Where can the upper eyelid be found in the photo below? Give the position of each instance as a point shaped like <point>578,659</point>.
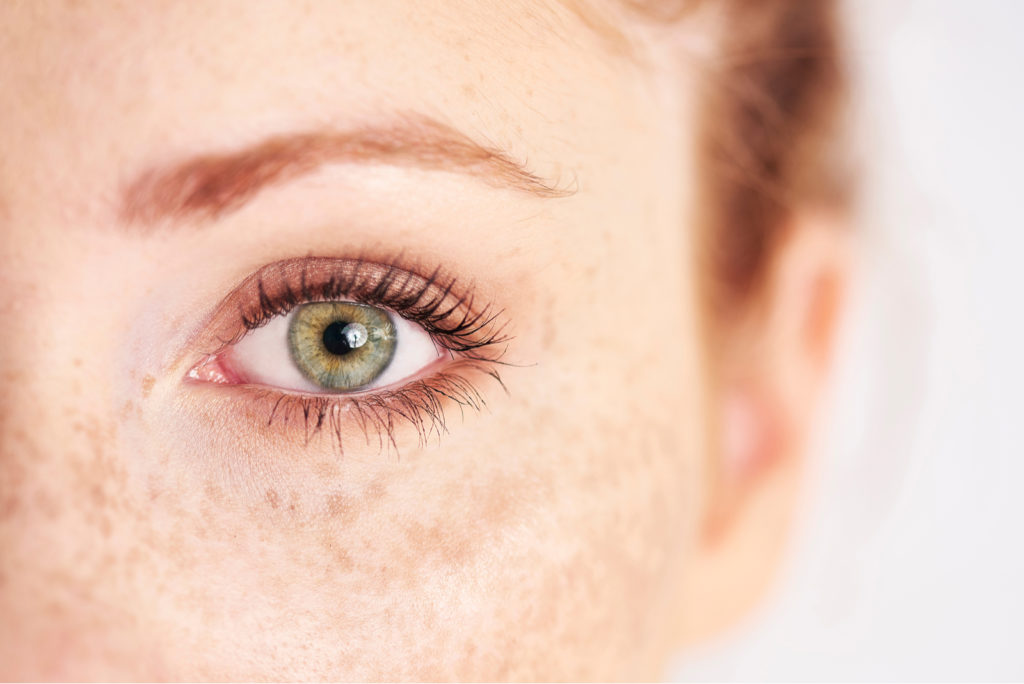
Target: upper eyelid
<point>410,295</point>
<point>435,300</point>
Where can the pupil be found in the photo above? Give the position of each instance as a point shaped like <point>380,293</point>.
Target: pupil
<point>335,340</point>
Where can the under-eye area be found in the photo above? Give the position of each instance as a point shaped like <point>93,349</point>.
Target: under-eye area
<point>321,345</point>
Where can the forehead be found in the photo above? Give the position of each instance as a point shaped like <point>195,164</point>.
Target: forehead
<point>358,55</point>
<point>141,78</point>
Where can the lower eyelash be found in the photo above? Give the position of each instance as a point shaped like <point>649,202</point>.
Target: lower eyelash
<point>474,335</point>
<point>421,403</point>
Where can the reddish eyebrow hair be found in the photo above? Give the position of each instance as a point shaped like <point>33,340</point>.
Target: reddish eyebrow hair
<point>208,186</point>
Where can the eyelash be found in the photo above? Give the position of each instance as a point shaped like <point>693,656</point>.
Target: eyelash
<point>420,403</point>
<point>430,303</point>
<point>475,337</point>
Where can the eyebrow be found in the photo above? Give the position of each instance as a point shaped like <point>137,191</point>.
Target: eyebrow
<point>211,185</point>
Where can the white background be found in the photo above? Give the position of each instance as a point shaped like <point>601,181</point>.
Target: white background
<point>909,562</point>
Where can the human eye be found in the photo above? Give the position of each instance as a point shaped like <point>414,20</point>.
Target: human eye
<point>320,341</point>
<point>332,346</point>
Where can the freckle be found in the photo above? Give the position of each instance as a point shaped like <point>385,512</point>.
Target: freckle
<point>8,506</point>
<point>126,410</point>
<point>339,507</point>
<point>343,560</point>
<point>99,497</point>
<point>152,488</point>
<point>383,581</point>
<point>147,385</point>
<point>498,507</point>
<point>272,498</point>
<point>47,505</point>
<point>213,492</point>
<point>175,543</point>
<point>135,556</point>
<point>326,469</point>
<point>454,490</point>
<point>375,490</point>
<point>12,478</point>
<point>77,363</point>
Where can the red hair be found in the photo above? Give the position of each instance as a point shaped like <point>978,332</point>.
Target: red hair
<point>769,121</point>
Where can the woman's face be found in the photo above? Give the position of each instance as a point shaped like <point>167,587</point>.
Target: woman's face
<point>154,157</point>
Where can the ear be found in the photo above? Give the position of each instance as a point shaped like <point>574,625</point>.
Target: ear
<point>763,403</point>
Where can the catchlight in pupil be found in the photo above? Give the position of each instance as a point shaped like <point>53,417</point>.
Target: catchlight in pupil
<point>341,337</point>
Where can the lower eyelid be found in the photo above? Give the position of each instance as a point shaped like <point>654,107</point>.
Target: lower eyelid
<point>375,421</point>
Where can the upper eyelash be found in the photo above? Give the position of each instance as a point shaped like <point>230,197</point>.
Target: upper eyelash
<point>450,318</point>
<point>447,311</point>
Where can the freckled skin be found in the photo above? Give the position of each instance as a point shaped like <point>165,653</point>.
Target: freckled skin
<point>146,533</point>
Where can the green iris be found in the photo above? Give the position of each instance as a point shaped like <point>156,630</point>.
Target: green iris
<point>341,345</point>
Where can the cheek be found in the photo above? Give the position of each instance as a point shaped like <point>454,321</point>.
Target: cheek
<point>69,528</point>
<point>546,536</point>
<point>539,541</point>
<point>540,538</point>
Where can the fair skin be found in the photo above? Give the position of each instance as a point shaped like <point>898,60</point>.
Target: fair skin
<point>615,504</point>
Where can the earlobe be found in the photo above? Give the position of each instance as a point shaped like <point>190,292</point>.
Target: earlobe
<point>750,440</point>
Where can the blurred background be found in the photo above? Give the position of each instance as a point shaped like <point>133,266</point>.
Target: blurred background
<point>908,563</point>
